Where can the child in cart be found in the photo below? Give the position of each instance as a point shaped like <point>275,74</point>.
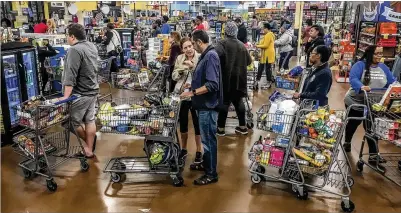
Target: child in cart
<point>366,74</point>
<point>318,82</point>
<point>182,73</point>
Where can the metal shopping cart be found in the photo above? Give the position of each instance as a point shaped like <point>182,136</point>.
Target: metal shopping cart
<point>104,77</point>
<point>154,118</point>
<point>144,80</point>
<point>45,150</point>
<point>281,155</point>
<point>382,124</point>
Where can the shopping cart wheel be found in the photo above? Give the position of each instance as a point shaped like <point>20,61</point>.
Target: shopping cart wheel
<point>84,165</point>
<point>349,208</point>
<point>118,177</point>
<point>250,125</point>
<point>304,195</point>
<point>359,166</point>
<point>51,185</point>
<point>178,181</point>
<point>256,179</point>
<point>28,174</point>
<point>350,181</point>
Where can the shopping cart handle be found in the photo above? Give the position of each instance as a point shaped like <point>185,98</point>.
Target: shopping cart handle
<point>71,98</point>
<point>378,89</point>
<point>356,107</point>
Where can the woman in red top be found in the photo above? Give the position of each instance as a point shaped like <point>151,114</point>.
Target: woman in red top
<point>41,27</point>
<point>198,22</point>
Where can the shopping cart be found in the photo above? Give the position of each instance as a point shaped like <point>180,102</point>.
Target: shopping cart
<point>45,150</point>
<point>382,123</point>
<point>289,82</point>
<point>154,118</point>
<point>144,80</point>
<point>104,77</point>
<point>281,155</point>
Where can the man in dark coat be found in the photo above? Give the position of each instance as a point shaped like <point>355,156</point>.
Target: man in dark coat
<point>234,59</point>
<point>242,33</point>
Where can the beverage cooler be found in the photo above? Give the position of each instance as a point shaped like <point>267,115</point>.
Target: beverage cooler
<point>127,39</point>
<point>19,82</point>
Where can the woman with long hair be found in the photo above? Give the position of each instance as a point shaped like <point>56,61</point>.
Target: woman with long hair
<point>175,50</point>
<point>367,74</point>
<point>182,73</point>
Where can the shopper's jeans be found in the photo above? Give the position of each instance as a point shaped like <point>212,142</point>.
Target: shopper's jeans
<point>208,130</point>
<point>268,69</point>
<point>284,60</point>
<point>239,106</point>
<point>254,35</point>
<point>352,126</point>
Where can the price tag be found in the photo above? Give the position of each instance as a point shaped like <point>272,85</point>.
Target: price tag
<point>385,36</point>
<point>382,60</point>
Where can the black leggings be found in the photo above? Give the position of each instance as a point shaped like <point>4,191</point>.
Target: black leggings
<point>352,126</point>
<point>268,69</point>
<point>239,105</point>
<point>186,106</point>
<point>114,66</point>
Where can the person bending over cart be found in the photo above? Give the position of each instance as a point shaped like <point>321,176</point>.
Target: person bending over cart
<point>366,74</point>
<point>318,82</point>
<point>234,58</point>
<point>80,79</point>
<point>183,69</point>
<point>207,96</point>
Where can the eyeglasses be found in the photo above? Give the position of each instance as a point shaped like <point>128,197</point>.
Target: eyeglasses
<point>378,54</point>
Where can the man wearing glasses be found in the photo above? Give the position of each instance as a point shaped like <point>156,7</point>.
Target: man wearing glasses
<point>80,78</point>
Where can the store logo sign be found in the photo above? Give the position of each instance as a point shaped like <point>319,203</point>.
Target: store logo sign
<point>369,15</point>
<point>391,15</point>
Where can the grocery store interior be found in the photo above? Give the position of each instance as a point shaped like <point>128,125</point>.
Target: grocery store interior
<point>119,106</point>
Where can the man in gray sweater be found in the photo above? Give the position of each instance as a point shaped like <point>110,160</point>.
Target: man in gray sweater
<point>80,79</point>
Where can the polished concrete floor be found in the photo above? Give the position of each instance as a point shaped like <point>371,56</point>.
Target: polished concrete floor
<point>93,192</point>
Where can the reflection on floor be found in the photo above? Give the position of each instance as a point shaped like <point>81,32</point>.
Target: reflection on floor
<point>93,192</point>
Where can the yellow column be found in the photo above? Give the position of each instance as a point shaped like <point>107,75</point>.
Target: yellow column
<point>298,25</point>
<point>46,9</point>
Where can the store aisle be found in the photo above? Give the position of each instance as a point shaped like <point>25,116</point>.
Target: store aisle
<point>93,192</point>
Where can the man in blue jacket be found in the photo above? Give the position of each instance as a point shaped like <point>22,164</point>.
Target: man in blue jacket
<point>318,82</point>
<point>166,29</point>
<point>207,97</point>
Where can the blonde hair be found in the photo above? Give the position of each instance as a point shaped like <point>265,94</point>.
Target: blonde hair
<point>52,24</point>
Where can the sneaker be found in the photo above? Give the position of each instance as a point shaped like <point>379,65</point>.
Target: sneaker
<point>205,180</point>
<point>198,158</point>
<point>221,133</point>
<point>373,159</point>
<point>183,154</point>
<point>241,131</point>
<point>347,147</point>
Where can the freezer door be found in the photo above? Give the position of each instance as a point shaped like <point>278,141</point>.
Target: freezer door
<point>12,85</point>
<point>31,73</point>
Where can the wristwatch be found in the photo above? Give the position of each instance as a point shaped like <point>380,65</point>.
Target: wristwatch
<point>194,92</point>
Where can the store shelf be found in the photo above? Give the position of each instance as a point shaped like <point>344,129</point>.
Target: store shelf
<point>12,89</point>
<point>10,75</point>
<point>365,42</point>
<point>398,35</point>
<point>389,59</point>
<point>368,34</point>
<point>361,50</point>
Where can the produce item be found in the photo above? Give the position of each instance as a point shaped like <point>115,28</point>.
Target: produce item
<point>307,157</point>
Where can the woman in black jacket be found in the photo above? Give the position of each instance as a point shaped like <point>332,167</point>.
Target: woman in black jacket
<point>316,34</point>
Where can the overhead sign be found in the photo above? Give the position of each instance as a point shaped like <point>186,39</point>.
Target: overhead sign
<point>370,11</point>
<point>390,11</point>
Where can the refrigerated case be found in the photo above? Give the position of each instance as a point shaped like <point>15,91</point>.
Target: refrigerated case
<point>127,38</point>
<point>19,82</point>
